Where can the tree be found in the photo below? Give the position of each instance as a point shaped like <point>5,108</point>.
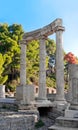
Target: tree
<point>70,58</point>
<point>33,62</point>
<point>32,58</point>
<point>9,47</point>
<point>50,47</point>
<point>3,78</point>
<point>51,52</point>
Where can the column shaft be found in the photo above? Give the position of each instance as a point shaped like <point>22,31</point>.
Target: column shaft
<point>42,71</point>
<point>23,65</point>
<point>59,67</point>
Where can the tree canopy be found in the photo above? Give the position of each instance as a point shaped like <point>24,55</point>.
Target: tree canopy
<point>70,58</point>
<point>10,49</point>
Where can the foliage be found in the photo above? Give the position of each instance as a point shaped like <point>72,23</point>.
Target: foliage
<point>51,52</point>
<point>50,47</point>
<point>10,50</point>
<point>3,78</point>
<point>50,82</point>
<point>70,58</point>
<point>9,47</point>
<point>39,124</point>
<point>32,59</point>
<point>12,85</point>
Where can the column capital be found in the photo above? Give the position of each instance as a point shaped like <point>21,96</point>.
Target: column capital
<point>59,28</point>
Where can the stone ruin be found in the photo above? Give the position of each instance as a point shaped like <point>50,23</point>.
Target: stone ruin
<point>25,93</point>
<point>69,121</point>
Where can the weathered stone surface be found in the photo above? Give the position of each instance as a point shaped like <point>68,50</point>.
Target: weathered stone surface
<point>23,65</point>
<point>71,113</point>
<point>2,91</point>
<point>19,92</point>
<point>59,68</point>
<point>16,121</point>
<point>65,123</point>
<point>29,94</point>
<point>25,94</point>
<point>73,86</point>
<point>60,128</point>
<point>42,73</point>
<point>45,31</point>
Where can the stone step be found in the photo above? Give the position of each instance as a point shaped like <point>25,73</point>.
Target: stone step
<point>67,122</point>
<point>54,127</point>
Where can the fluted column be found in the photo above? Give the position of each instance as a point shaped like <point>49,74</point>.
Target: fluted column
<point>59,67</point>
<point>23,65</point>
<point>42,71</point>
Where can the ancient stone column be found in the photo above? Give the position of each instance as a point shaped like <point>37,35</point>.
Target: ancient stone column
<point>21,89</point>
<point>73,86</point>
<point>42,71</point>
<point>23,65</point>
<point>59,67</point>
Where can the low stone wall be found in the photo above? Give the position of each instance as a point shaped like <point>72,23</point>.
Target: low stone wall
<point>16,121</point>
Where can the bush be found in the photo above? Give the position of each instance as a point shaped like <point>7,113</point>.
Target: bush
<point>39,124</point>
<point>12,86</point>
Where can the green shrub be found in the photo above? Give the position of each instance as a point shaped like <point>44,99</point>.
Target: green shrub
<point>39,124</point>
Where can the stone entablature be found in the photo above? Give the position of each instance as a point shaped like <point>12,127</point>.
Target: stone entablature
<point>45,31</point>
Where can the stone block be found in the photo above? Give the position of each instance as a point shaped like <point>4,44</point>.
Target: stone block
<point>19,93</point>
<point>2,91</point>
<point>29,96</point>
<point>71,113</point>
<point>25,94</point>
<point>16,121</point>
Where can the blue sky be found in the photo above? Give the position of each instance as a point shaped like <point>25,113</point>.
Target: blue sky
<point>33,14</point>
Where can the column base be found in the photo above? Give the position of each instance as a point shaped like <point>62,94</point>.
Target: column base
<point>42,103</point>
<point>60,104</point>
<point>25,94</point>
<point>73,106</point>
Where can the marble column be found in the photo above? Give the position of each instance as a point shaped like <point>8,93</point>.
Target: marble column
<point>42,71</point>
<point>59,68</point>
